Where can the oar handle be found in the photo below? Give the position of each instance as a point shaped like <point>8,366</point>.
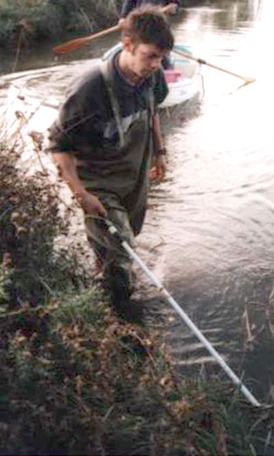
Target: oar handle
<point>204,62</point>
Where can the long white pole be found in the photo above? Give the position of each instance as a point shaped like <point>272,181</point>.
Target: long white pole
<point>185,317</point>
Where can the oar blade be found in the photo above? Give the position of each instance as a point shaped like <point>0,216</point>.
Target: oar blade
<point>72,45</point>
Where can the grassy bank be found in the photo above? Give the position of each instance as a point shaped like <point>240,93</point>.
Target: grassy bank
<point>76,380</point>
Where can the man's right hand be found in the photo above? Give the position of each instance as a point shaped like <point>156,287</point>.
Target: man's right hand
<point>66,163</point>
<point>91,204</point>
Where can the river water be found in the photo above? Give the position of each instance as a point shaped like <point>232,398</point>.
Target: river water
<point>218,214</point>
<point>214,214</point>
<point>210,226</point>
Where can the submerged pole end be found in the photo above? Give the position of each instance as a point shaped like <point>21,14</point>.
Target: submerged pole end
<point>249,396</point>
<point>249,80</point>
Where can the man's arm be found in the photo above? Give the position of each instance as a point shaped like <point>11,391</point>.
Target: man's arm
<point>66,164</point>
<point>159,167</point>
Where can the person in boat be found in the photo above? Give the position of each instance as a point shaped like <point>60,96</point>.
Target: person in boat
<point>166,6</point>
<point>107,139</point>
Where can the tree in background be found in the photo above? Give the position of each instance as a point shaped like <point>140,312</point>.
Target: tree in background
<point>28,22</point>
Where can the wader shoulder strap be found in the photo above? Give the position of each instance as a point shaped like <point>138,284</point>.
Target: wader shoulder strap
<point>152,98</point>
<point>152,113</point>
<point>105,70</point>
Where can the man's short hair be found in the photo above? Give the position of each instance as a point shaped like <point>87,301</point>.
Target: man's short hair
<point>149,26</point>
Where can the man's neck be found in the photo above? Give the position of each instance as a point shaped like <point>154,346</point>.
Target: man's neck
<point>126,71</point>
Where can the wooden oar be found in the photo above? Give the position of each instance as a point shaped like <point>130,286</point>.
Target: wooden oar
<point>247,80</point>
<point>72,45</point>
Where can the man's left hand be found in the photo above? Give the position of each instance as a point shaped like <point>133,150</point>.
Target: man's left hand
<point>159,167</point>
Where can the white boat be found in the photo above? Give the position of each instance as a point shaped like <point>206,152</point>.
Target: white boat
<point>184,80</point>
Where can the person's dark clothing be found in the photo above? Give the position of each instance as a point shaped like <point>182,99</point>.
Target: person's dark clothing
<point>129,5</point>
<point>105,124</point>
<point>87,127</point>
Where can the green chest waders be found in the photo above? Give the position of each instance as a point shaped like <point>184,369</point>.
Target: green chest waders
<point>122,188</point>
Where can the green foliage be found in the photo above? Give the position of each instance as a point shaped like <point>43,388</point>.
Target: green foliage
<point>5,284</point>
<point>29,22</point>
<point>28,227</point>
<point>100,387</point>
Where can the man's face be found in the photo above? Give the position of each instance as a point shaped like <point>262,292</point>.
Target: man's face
<point>144,59</point>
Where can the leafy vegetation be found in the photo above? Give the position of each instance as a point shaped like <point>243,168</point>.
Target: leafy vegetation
<point>28,22</point>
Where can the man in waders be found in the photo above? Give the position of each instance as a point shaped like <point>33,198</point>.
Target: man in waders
<point>105,139</point>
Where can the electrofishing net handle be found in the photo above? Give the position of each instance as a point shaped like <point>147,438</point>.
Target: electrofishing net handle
<point>112,229</point>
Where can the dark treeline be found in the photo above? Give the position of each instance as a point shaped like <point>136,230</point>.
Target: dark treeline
<point>30,22</point>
